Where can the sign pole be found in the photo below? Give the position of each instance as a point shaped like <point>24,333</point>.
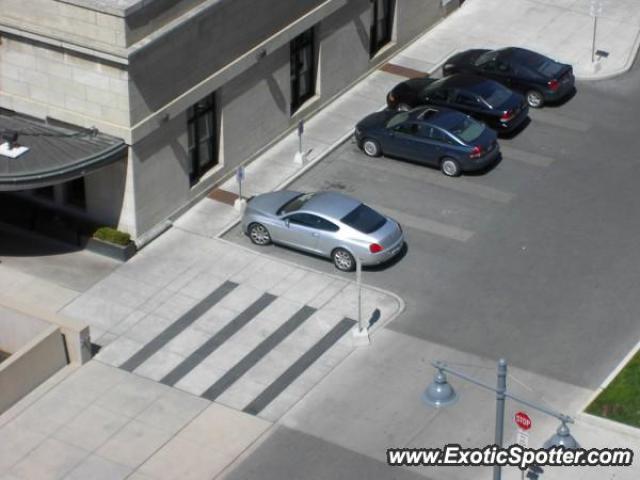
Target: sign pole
<point>593,43</point>
<point>299,158</point>
<point>360,331</point>
<point>359,283</point>
<point>240,203</point>
<point>500,400</point>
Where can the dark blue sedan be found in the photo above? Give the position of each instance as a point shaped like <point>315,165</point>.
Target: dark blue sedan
<point>438,137</point>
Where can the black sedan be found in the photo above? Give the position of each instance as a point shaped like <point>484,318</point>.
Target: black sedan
<point>439,137</point>
<point>484,99</point>
<point>539,78</point>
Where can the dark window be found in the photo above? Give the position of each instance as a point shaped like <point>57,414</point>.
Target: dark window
<point>45,192</point>
<point>203,145</point>
<point>468,130</point>
<point>381,24</point>
<point>303,81</point>
<point>408,128</point>
<point>296,203</point>
<point>436,134</point>
<point>75,193</point>
<point>487,60</point>
<point>312,221</point>
<point>493,93</point>
<point>364,219</point>
<point>440,94</point>
<point>397,119</point>
<point>466,99</point>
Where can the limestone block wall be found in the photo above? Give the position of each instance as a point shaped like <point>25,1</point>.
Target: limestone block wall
<point>64,21</point>
<point>41,80</point>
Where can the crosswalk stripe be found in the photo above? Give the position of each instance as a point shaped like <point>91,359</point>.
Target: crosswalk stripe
<point>218,339</point>
<point>177,327</point>
<point>427,175</point>
<point>529,158</point>
<point>299,367</point>
<point>560,121</point>
<point>259,352</point>
<point>425,225</point>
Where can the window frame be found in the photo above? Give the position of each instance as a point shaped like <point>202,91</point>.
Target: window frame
<point>205,107</point>
<point>306,40</point>
<point>379,37</point>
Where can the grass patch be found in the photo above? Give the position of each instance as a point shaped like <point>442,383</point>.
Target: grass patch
<point>111,235</point>
<point>620,401</point>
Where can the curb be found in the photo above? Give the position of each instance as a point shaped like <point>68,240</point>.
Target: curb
<point>401,305</point>
<point>288,181</point>
<point>611,425</point>
<point>612,375</point>
<point>627,66</point>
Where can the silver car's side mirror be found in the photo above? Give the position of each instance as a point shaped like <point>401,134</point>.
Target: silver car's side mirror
<point>286,222</point>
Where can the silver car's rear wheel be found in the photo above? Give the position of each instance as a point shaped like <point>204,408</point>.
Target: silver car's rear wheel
<point>343,260</point>
<point>259,234</point>
<point>371,148</point>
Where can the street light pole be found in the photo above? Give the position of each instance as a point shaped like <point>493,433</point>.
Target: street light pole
<point>501,391</point>
<point>440,394</point>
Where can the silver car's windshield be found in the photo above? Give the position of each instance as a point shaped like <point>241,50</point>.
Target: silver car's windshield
<point>364,219</point>
<point>295,203</point>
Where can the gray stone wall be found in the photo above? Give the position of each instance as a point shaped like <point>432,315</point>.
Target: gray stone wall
<point>344,55</point>
<point>105,195</point>
<point>63,21</point>
<point>414,15</point>
<point>41,81</point>
<point>255,107</point>
<point>160,178</point>
<point>191,53</point>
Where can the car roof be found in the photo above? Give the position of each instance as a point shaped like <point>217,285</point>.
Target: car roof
<point>440,117</point>
<point>462,80</point>
<point>331,204</point>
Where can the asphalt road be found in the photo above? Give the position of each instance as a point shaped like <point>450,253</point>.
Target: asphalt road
<point>534,260</point>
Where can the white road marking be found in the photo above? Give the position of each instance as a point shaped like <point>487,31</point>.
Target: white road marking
<point>434,177</point>
<point>560,121</point>
<point>425,225</point>
<point>529,158</point>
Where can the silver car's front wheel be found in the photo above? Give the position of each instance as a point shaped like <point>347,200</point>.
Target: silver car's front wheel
<point>259,234</point>
<point>343,260</point>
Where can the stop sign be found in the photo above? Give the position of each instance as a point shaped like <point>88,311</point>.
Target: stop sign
<point>523,421</point>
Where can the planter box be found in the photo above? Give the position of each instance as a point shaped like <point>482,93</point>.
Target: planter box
<point>111,250</point>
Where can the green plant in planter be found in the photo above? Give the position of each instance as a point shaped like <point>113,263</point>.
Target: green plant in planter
<point>111,235</point>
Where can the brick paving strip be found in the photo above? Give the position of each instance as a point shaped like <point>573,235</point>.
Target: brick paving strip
<point>403,71</point>
<point>223,196</point>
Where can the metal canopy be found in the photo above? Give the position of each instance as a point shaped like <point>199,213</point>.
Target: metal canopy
<point>57,152</point>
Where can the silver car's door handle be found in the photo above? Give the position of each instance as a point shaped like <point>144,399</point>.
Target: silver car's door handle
<point>315,234</point>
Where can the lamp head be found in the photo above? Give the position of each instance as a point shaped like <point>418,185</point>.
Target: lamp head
<point>439,393</point>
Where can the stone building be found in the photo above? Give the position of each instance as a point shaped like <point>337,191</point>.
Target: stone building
<point>180,91</point>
